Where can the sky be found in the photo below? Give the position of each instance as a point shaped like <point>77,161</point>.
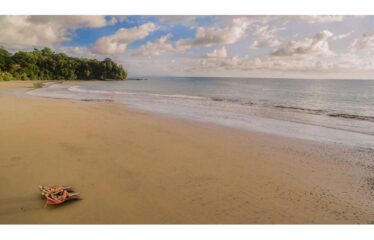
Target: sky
<point>338,47</point>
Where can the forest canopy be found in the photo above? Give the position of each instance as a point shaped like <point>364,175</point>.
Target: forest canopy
<point>47,65</point>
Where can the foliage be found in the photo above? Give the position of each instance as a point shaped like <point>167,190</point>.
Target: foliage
<point>5,76</point>
<point>37,85</point>
<point>47,65</point>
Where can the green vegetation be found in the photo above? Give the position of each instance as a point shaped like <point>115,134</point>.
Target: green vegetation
<point>47,65</point>
<point>37,85</point>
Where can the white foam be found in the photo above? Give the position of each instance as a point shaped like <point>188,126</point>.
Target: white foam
<point>226,113</point>
<point>76,88</point>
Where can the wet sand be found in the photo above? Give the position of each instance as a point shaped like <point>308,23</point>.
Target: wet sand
<point>136,167</point>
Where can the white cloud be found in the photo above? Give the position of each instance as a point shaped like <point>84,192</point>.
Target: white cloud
<point>265,31</point>
<point>313,19</point>
<point>354,61</point>
<point>132,34</point>
<point>342,36</point>
<point>81,52</point>
<point>230,62</point>
<point>317,45</point>
<point>209,36</point>
<point>265,43</point>
<point>157,47</point>
<point>267,37</point>
<point>108,45</point>
<point>183,45</point>
<point>117,43</point>
<point>244,64</point>
<point>300,57</point>
<point>217,53</point>
<point>73,22</point>
<point>310,55</point>
<point>250,20</point>
<point>366,41</point>
<point>222,36</point>
<point>343,65</point>
<point>163,45</point>
<point>23,32</point>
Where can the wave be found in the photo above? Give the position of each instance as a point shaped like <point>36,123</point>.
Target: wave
<point>176,96</point>
<point>352,116</point>
<point>260,115</point>
<point>96,100</point>
<point>77,88</point>
<point>330,114</point>
<point>300,109</point>
<point>231,100</point>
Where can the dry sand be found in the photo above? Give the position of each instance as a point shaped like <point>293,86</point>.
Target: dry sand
<point>135,167</point>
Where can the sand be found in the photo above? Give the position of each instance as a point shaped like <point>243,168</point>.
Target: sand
<point>136,167</point>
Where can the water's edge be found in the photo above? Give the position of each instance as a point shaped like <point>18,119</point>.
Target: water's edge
<point>230,113</point>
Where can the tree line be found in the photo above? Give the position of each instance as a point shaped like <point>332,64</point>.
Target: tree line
<point>47,65</point>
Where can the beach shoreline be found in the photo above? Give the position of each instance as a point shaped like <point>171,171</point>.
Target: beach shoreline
<point>253,112</point>
<point>137,167</point>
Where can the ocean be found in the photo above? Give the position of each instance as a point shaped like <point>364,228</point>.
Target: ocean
<point>332,111</point>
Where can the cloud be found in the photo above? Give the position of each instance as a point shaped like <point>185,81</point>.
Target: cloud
<point>222,36</point>
<point>117,42</point>
<point>300,57</point>
<point>81,52</point>
<point>265,43</point>
<point>235,30</point>
<point>314,19</point>
<point>108,45</point>
<point>244,64</point>
<point>265,31</point>
<point>183,45</point>
<point>178,20</point>
<point>24,32</point>
<point>73,22</point>
<point>366,41</point>
<point>250,20</point>
<point>267,37</point>
<point>217,53</point>
<point>157,47</point>
<point>317,45</point>
<point>113,21</point>
<point>356,62</point>
<point>208,36</point>
<point>342,36</point>
<point>163,45</point>
<point>342,65</point>
<point>310,55</point>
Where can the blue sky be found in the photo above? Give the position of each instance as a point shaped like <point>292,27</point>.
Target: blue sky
<point>246,46</point>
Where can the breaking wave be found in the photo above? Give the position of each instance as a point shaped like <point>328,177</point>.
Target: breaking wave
<point>229,100</point>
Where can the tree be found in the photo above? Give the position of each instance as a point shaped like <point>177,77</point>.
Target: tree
<point>4,59</point>
<point>47,65</point>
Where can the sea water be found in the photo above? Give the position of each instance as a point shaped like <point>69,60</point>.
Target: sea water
<point>335,111</point>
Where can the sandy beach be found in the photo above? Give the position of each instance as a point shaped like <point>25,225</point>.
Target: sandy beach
<point>136,167</point>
